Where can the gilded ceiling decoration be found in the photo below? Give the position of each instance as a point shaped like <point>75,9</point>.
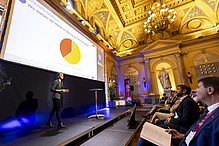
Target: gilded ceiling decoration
<point>211,3</point>
<point>103,16</point>
<point>121,21</point>
<point>195,12</point>
<point>112,25</point>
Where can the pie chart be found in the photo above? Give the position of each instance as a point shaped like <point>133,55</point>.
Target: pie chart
<point>70,51</point>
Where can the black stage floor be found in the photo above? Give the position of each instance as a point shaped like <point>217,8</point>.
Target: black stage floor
<point>116,134</point>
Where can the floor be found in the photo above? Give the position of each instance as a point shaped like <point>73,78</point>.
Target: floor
<point>116,134</point>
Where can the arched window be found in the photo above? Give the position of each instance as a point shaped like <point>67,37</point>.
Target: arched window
<point>133,74</point>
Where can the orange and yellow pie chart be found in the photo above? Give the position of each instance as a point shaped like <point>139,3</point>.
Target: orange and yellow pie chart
<point>70,51</point>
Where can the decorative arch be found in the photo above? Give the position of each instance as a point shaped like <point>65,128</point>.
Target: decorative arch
<point>117,70</point>
<point>128,67</point>
<point>197,19</point>
<point>205,58</point>
<point>171,62</point>
<point>135,80</point>
<point>194,56</point>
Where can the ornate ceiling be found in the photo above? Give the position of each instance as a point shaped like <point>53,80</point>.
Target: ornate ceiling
<point>120,22</point>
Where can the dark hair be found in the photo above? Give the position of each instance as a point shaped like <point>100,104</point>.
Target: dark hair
<point>58,73</point>
<point>185,87</point>
<point>211,82</point>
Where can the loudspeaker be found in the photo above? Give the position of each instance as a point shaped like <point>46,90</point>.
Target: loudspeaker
<point>132,88</point>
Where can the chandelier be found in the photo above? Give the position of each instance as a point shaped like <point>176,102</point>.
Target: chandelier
<point>160,18</point>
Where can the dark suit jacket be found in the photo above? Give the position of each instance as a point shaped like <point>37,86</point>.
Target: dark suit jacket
<point>188,113</point>
<point>56,85</point>
<point>208,132</point>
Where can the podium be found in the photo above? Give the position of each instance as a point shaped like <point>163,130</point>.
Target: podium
<point>96,115</point>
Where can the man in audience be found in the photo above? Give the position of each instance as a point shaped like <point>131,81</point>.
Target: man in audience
<point>186,114</point>
<point>206,130</point>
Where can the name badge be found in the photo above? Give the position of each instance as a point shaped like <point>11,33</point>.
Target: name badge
<point>189,137</point>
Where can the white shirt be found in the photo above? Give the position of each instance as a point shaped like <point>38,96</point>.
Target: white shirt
<point>213,107</point>
<point>181,99</point>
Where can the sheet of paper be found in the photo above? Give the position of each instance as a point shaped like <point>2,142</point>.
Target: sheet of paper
<point>155,134</point>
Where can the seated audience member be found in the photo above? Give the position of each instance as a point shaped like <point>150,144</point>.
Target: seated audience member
<point>186,113</point>
<point>169,102</point>
<point>162,116</point>
<point>163,99</point>
<point>205,131</point>
<point>156,107</point>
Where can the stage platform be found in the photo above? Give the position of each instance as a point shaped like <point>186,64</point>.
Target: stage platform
<point>111,130</point>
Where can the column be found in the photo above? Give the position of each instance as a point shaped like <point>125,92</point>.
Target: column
<point>181,67</point>
<point>143,78</point>
<point>149,80</point>
<point>148,73</point>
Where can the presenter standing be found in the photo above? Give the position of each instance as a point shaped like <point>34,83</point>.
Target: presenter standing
<point>57,100</point>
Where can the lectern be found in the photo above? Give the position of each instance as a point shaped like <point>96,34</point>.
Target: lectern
<point>96,115</point>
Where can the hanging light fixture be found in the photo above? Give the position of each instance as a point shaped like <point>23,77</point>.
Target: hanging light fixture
<point>160,18</point>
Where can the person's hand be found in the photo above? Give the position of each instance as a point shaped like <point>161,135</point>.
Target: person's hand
<point>65,90</point>
<point>175,134</point>
<point>167,121</point>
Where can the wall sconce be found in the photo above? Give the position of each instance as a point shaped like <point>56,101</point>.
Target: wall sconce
<point>144,82</point>
<point>190,77</point>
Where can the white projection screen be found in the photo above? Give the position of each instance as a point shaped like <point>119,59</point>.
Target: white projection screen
<point>38,36</point>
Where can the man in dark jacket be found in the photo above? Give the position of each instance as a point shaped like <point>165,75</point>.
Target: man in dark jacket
<point>186,113</point>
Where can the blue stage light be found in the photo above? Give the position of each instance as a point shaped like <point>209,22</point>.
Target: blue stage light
<point>12,124</point>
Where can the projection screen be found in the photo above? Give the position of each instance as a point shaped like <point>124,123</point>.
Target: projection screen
<point>38,36</point>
